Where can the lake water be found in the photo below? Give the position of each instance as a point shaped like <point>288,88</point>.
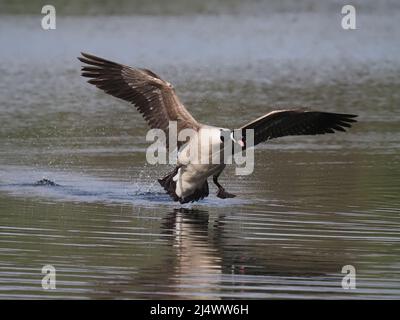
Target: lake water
<point>312,205</point>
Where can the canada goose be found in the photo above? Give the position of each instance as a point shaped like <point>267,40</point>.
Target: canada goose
<point>157,101</point>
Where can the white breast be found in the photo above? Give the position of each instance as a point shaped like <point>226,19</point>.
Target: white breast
<point>204,147</point>
<point>199,158</point>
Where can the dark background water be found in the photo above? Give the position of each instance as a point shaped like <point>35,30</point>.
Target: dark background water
<point>312,205</point>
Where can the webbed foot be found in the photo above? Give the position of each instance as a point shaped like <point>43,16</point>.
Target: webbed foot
<point>224,195</point>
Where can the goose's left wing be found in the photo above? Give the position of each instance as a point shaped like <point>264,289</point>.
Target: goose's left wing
<point>154,97</point>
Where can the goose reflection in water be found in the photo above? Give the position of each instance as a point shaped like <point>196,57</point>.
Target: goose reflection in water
<point>208,256</point>
<point>198,262</point>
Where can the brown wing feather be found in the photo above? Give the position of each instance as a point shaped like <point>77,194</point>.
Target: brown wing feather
<point>152,96</point>
<point>282,123</point>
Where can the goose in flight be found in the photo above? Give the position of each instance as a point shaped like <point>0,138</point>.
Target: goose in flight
<point>157,101</point>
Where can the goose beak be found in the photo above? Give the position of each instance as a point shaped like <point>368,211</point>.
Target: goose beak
<point>240,142</point>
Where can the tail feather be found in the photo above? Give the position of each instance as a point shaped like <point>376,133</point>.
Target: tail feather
<point>169,186</point>
<point>199,194</point>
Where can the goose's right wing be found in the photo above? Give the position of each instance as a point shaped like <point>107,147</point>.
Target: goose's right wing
<point>282,123</point>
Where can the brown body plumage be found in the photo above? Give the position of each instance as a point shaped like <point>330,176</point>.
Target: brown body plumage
<point>157,101</point>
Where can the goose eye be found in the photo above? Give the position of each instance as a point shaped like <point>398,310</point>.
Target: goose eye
<point>222,138</point>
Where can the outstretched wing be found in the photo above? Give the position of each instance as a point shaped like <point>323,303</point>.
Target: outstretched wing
<point>282,123</point>
<point>153,97</point>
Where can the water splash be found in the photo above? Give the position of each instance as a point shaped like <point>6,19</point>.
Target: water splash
<point>61,185</point>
